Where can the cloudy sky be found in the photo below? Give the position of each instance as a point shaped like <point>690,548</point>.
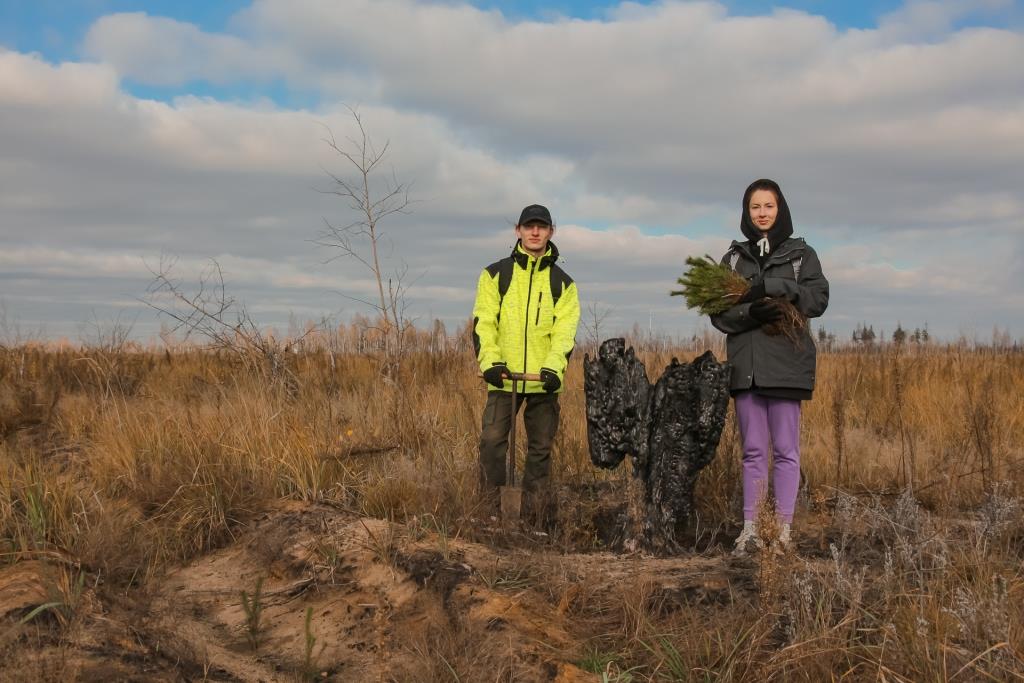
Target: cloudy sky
<point>131,131</point>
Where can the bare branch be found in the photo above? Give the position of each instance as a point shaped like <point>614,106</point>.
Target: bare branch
<point>211,313</point>
<point>594,321</point>
<point>372,198</point>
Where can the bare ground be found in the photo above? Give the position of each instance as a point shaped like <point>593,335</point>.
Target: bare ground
<point>386,602</point>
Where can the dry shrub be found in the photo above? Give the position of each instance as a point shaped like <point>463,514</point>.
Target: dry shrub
<point>48,513</point>
<point>190,485</point>
<point>940,420</point>
<point>898,591</point>
<point>938,602</point>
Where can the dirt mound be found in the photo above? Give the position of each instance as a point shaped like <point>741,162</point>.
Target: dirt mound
<point>310,592</point>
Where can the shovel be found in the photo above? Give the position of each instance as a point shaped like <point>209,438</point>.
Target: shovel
<point>512,495</point>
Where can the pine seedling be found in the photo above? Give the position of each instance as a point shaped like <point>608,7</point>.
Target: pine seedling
<point>252,605</point>
<point>709,286</point>
<point>713,288</point>
<point>309,667</point>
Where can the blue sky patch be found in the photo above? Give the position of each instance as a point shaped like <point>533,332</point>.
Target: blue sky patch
<point>278,93</point>
<point>55,29</point>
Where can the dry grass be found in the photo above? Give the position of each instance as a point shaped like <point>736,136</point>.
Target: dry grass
<point>116,466</point>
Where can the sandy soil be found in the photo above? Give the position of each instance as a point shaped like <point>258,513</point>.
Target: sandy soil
<point>386,602</point>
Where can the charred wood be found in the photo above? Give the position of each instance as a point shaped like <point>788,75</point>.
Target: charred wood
<point>671,430</point>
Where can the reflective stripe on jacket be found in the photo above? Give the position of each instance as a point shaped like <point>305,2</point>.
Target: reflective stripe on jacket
<point>526,329</point>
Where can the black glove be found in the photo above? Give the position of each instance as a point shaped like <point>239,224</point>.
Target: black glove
<point>549,378</point>
<point>493,374</point>
<point>765,311</point>
<point>753,294</point>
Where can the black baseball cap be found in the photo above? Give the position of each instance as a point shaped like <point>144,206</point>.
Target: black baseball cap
<point>535,213</point>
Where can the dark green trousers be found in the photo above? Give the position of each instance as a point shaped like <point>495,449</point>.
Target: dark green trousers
<point>541,419</point>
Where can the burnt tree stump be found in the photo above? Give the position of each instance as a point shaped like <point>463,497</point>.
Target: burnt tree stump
<point>618,404</point>
<point>671,431</point>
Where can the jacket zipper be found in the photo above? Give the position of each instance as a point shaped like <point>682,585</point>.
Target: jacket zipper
<point>526,327</point>
<point>761,270</point>
<point>540,297</point>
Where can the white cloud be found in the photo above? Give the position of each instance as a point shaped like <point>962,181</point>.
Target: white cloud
<point>27,81</point>
<point>899,147</point>
<point>164,51</point>
<point>676,103</point>
<point>631,246</point>
<point>919,19</point>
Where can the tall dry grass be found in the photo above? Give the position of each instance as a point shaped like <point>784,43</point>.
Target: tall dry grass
<point>119,463</point>
<point>186,445</point>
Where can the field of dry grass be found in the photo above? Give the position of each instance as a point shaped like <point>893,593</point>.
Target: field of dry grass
<point>134,484</point>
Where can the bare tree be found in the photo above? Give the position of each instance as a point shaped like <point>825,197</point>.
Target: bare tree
<point>594,321</point>
<point>372,195</point>
<point>210,313</point>
<point>110,336</point>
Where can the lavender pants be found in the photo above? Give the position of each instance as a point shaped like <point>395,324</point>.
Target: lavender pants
<point>774,421</point>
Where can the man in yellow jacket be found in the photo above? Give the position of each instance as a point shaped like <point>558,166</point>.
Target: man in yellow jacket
<point>524,320</point>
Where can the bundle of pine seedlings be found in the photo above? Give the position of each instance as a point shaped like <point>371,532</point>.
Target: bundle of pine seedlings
<point>712,288</point>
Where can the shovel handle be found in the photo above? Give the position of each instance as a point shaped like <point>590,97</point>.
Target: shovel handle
<point>518,376</point>
<point>522,376</point>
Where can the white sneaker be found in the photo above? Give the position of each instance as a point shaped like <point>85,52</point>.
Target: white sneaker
<point>748,540</point>
<point>785,541</point>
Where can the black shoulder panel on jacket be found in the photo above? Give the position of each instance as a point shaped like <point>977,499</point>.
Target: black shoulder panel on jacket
<point>495,267</point>
<point>562,275</point>
<point>560,280</point>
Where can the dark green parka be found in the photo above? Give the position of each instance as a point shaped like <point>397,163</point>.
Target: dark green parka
<point>790,269</point>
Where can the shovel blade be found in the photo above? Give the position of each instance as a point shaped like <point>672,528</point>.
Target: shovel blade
<point>511,504</point>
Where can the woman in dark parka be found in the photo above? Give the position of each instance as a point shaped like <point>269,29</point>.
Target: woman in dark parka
<point>771,374</point>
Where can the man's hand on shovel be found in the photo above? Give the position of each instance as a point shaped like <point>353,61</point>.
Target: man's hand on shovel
<point>495,374</point>
<point>550,380</point>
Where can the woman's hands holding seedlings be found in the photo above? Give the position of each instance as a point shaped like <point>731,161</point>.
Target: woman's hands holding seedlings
<point>753,294</point>
<point>765,311</point>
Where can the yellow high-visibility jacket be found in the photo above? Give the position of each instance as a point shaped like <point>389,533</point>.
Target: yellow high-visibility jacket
<point>533,325</point>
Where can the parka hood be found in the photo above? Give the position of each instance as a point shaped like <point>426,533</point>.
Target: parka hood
<point>783,228</point>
